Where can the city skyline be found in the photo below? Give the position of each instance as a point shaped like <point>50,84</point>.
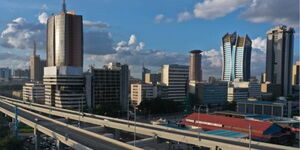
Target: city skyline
<point>107,39</point>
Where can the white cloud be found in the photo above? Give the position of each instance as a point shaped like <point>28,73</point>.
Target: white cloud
<point>132,39</point>
<point>259,43</point>
<point>274,11</point>
<point>131,45</point>
<point>14,61</point>
<point>95,24</point>
<point>184,16</point>
<point>20,34</point>
<point>43,18</point>
<point>211,9</point>
<point>158,18</point>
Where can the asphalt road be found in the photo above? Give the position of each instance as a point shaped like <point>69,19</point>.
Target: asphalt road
<point>85,139</point>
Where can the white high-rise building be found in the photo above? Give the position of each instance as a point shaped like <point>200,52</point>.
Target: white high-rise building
<point>236,57</point>
<point>175,79</point>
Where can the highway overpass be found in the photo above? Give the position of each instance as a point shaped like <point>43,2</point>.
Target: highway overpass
<point>74,137</point>
<point>156,131</point>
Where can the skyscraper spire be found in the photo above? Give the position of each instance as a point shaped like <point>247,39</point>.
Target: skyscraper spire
<point>34,48</point>
<point>64,9</point>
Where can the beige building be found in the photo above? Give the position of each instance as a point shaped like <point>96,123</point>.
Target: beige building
<point>34,92</point>
<point>141,92</point>
<point>240,90</point>
<point>64,87</point>
<point>152,78</point>
<point>174,78</point>
<point>295,74</point>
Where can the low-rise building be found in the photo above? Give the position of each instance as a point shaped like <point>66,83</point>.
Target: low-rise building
<point>212,93</point>
<point>34,92</point>
<point>141,92</point>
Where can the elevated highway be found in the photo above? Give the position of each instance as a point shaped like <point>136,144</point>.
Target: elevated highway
<point>74,137</point>
<point>156,131</point>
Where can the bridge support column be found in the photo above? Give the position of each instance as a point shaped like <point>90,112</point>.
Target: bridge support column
<point>60,145</point>
<point>37,139</point>
<point>117,134</point>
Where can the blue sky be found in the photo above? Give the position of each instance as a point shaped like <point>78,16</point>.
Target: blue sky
<point>150,32</point>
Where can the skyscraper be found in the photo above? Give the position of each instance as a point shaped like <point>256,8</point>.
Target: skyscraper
<point>279,59</point>
<point>195,70</point>
<point>36,66</point>
<point>65,39</point>
<point>236,57</point>
<point>63,76</point>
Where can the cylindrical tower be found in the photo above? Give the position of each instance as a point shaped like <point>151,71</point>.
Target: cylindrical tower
<point>195,70</point>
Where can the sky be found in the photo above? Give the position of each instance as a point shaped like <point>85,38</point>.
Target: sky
<point>152,33</point>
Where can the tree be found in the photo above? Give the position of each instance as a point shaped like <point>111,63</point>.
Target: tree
<point>229,106</point>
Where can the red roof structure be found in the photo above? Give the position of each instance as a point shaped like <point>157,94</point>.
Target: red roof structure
<point>214,122</point>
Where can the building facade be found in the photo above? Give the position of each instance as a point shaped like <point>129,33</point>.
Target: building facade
<point>279,59</point>
<point>34,92</point>
<point>21,73</point>
<point>212,93</point>
<point>236,57</point>
<point>36,66</point>
<point>296,73</point>
<point>152,78</point>
<point>65,40</point>
<point>174,78</point>
<point>64,87</point>
<point>108,85</point>
<point>141,92</point>
<point>144,72</point>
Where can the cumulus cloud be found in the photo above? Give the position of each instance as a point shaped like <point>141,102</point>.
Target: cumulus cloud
<point>260,44</point>
<point>275,11</point>
<point>183,16</point>
<point>131,45</point>
<point>211,9</point>
<point>43,18</point>
<point>20,34</point>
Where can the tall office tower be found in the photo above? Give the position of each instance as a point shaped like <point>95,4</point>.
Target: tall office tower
<point>279,59</point>
<point>63,77</point>
<point>108,86</point>
<point>195,70</point>
<point>144,71</point>
<point>236,57</point>
<point>36,66</point>
<point>65,39</point>
<point>175,79</point>
<point>296,74</point>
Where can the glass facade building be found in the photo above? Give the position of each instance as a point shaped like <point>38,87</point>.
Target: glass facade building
<point>279,58</point>
<point>236,57</point>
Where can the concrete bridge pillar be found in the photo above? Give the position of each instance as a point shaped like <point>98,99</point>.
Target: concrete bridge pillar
<point>117,134</point>
<point>37,139</point>
<point>60,145</point>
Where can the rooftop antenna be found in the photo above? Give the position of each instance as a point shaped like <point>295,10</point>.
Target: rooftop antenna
<point>34,48</point>
<point>64,9</point>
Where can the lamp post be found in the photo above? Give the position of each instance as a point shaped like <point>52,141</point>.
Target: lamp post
<point>134,135</point>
